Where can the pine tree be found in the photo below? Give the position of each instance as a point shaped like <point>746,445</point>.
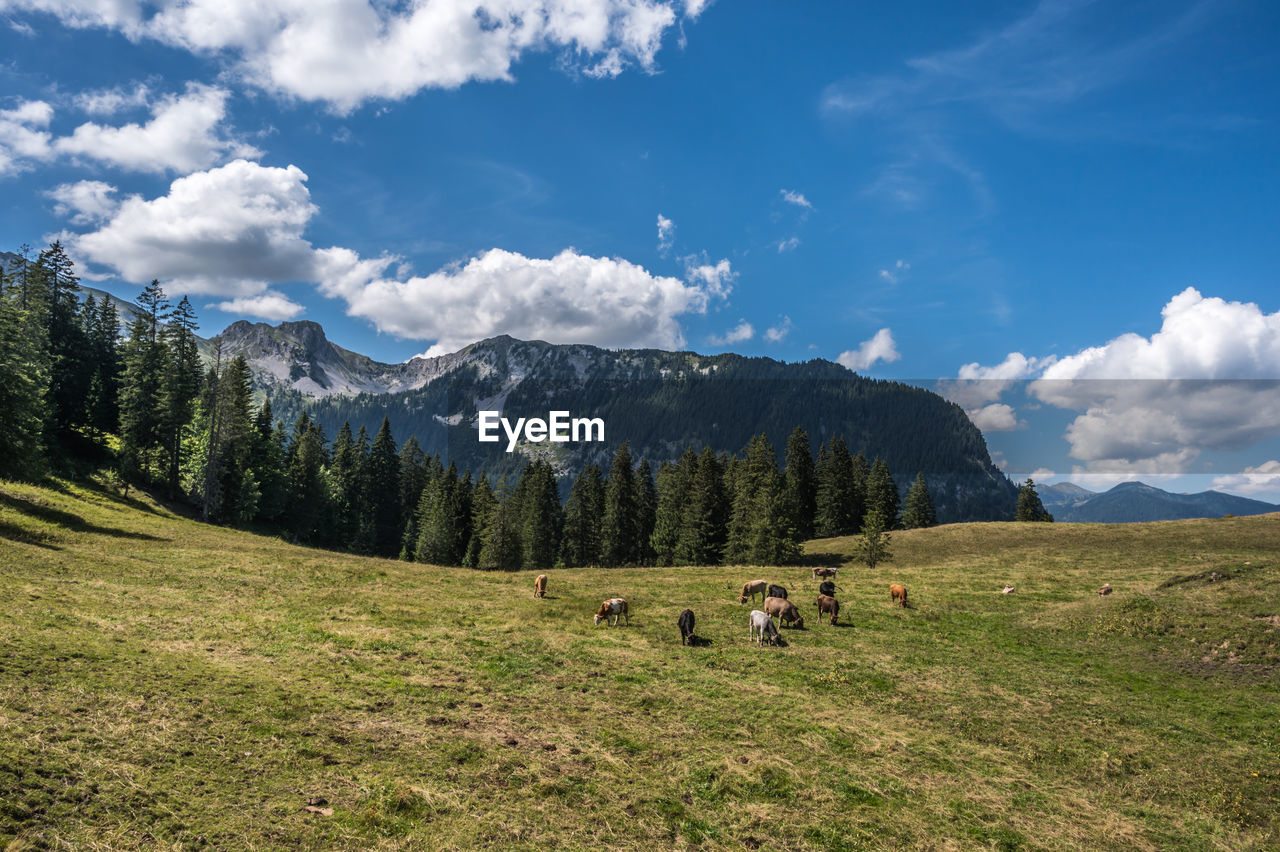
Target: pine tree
<point>837,504</point>
<point>1030,507</point>
<point>383,494</point>
<point>483,505</point>
<point>646,513</point>
<point>919,510</point>
<point>758,473</point>
<point>801,489</point>
<point>181,384</point>
<point>873,543</point>
<point>675,482</point>
<point>441,530</point>
<point>102,325</point>
<point>542,517</point>
<point>142,385</point>
<point>345,474</point>
<point>69,373</point>
<point>618,543</point>
<point>580,542</point>
<point>773,539</point>
<point>307,512</point>
<point>502,547</point>
<point>704,531</point>
<point>266,460</point>
<point>882,493</point>
<point>413,478</point>
<point>24,372</point>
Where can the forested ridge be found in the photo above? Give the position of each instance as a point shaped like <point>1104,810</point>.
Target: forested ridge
<point>80,391</point>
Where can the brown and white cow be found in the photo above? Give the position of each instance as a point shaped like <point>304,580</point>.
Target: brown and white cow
<point>898,593</point>
<point>540,586</point>
<point>828,605</point>
<point>1105,590</point>
<point>614,608</point>
<point>750,590</point>
<point>824,572</point>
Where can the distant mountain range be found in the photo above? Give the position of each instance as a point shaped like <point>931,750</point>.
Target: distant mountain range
<point>660,402</point>
<point>1131,502</point>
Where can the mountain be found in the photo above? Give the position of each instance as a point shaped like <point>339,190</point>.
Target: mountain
<point>660,402</point>
<point>1131,502</point>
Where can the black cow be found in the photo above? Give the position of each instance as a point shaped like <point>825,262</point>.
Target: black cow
<point>777,592</point>
<point>686,627</point>
<point>828,588</point>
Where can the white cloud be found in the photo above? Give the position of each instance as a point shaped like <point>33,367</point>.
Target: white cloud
<point>85,202</point>
<point>666,234</point>
<point>717,278</point>
<point>976,385</point>
<point>792,197</point>
<point>893,274</point>
<point>111,101</point>
<point>741,332</point>
<point>21,136</point>
<point>1209,379</point>
<point>789,244</point>
<point>879,348</point>
<point>570,298</point>
<point>228,231</point>
<point>1262,482</point>
<point>694,8</point>
<point>182,136</point>
<point>996,417</point>
<point>779,332</point>
<point>347,51</point>
<point>269,306</point>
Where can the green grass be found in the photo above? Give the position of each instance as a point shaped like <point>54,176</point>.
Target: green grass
<point>170,685</point>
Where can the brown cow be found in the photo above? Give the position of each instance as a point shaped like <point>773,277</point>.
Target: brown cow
<point>540,586</point>
<point>785,610</point>
<point>828,605</point>
<point>824,572</point>
<point>898,593</point>
<point>750,590</point>
<point>1105,590</point>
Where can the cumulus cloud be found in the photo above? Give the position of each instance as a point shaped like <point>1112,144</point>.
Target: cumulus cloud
<point>569,298</point>
<point>743,331</point>
<point>879,348</point>
<point>348,51</point>
<point>976,385</point>
<point>228,231</point>
<point>1262,481</point>
<point>996,417</point>
<point>113,100</point>
<point>269,306</point>
<point>22,137</point>
<point>792,197</point>
<point>779,332</point>
<point>716,278</point>
<point>182,135</point>
<point>85,202</point>
<point>666,234</point>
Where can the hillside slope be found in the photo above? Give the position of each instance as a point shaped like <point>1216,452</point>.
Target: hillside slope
<point>171,684</point>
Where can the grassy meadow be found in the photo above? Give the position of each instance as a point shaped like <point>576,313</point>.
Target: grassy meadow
<point>170,685</point>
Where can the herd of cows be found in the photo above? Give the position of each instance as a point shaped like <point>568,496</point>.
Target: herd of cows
<point>763,630</point>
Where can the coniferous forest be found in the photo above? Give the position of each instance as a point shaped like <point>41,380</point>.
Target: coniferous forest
<point>79,392</point>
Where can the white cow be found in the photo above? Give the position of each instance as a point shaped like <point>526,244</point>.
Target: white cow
<point>762,628</point>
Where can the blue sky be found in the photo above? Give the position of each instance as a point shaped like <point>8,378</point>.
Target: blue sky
<point>999,192</point>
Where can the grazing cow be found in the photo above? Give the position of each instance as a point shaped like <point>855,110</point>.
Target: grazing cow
<point>826,587</point>
<point>1007,590</point>
<point>1105,590</point>
<point>777,591</point>
<point>898,593</point>
<point>750,590</point>
<point>823,573</point>
<point>686,627</point>
<point>614,608</point>
<point>785,610</point>
<point>828,605</point>
<point>762,628</point>
<point>540,586</point>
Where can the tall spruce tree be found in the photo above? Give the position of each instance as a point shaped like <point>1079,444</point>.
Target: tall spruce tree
<point>70,375</point>
<point>758,474</point>
<point>383,494</point>
<point>307,513</point>
<point>919,511</point>
<point>618,545</point>
<point>675,483</point>
<point>882,493</point>
<point>542,517</point>
<point>580,542</point>
<point>142,386</point>
<point>873,543</point>
<point>102,326</point>
<point>646,512</point>
<point>181,384</point>
<point>502,549</point>
<point>836,504</point>
<point>704,531</point>
<point>483,506</point>
<point>24,378</point>
<point>801,489</point>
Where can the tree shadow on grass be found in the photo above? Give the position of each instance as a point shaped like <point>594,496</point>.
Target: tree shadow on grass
<point>68,520</point>
<point>16,533</point>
